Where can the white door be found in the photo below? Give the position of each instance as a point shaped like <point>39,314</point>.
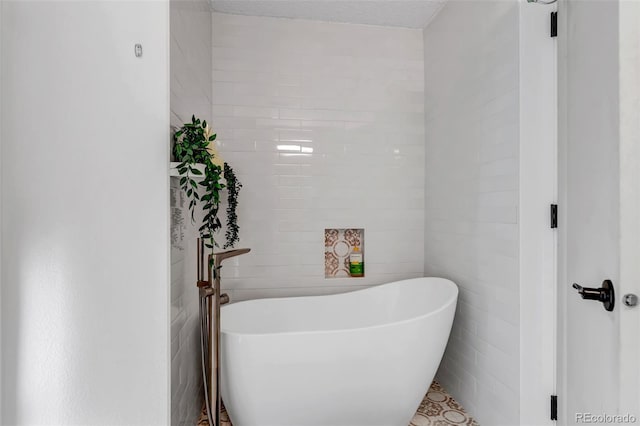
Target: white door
<point>597,371</point>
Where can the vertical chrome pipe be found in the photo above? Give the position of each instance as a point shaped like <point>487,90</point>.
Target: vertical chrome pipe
<point>215,373</point>
<point>210,288</point>
<point>200,259</point>
<point>203,351</point>
<point>204,293</point>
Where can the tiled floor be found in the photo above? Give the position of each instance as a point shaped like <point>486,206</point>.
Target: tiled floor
<point>438,408</point>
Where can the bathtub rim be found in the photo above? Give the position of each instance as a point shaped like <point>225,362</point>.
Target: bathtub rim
<point>453,299</point>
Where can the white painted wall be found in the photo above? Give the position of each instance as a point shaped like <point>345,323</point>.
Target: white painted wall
<point>85,229</point>
<point>1,74</point>
<point>592,229</point>
<point>190,94</point>
<point>598,182</point>
<point>629,92</point>
<point>354,94</point>
<point>537,190</point>
<point>471,198</point>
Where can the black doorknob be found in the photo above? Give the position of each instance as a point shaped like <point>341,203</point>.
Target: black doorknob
<point>604,294</point>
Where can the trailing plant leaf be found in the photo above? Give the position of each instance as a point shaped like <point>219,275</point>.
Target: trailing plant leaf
<point>190,148</point>
<point>233,187</point>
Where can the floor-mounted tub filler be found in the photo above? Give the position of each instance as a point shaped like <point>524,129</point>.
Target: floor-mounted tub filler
<point>360,358</point>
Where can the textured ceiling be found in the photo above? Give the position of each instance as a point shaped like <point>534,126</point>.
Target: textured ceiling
<point>393,13</point>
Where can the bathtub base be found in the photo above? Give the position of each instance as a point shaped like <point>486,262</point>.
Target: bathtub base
<point>374,375</point>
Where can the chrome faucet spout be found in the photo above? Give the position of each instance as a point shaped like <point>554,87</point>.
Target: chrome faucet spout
<point>210,300</point>
<point>222,255</point>
<point>214,401</point>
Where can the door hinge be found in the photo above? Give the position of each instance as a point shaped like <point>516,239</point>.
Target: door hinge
<point>554,24</point>
<point>554,407</point>
<point>554,216</point>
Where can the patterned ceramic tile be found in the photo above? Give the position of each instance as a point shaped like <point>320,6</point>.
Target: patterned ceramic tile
<point>438,408</point>
<point>204,421</point>
<point>338,244</point>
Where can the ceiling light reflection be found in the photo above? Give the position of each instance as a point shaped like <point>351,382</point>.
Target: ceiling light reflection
<point>295,148</point>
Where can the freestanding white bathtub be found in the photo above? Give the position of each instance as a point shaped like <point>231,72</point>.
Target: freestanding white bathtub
<point>363,358</point>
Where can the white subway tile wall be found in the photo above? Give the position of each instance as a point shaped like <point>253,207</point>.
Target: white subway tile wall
<point>323,124</point>
<point>471,198</point>
<point>190,94</point>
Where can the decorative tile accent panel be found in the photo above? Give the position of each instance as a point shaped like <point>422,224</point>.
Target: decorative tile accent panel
<point>338,245</point>
<point>438,408</point>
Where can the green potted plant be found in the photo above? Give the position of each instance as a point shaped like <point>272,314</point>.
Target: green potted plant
<point>194,146</point>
